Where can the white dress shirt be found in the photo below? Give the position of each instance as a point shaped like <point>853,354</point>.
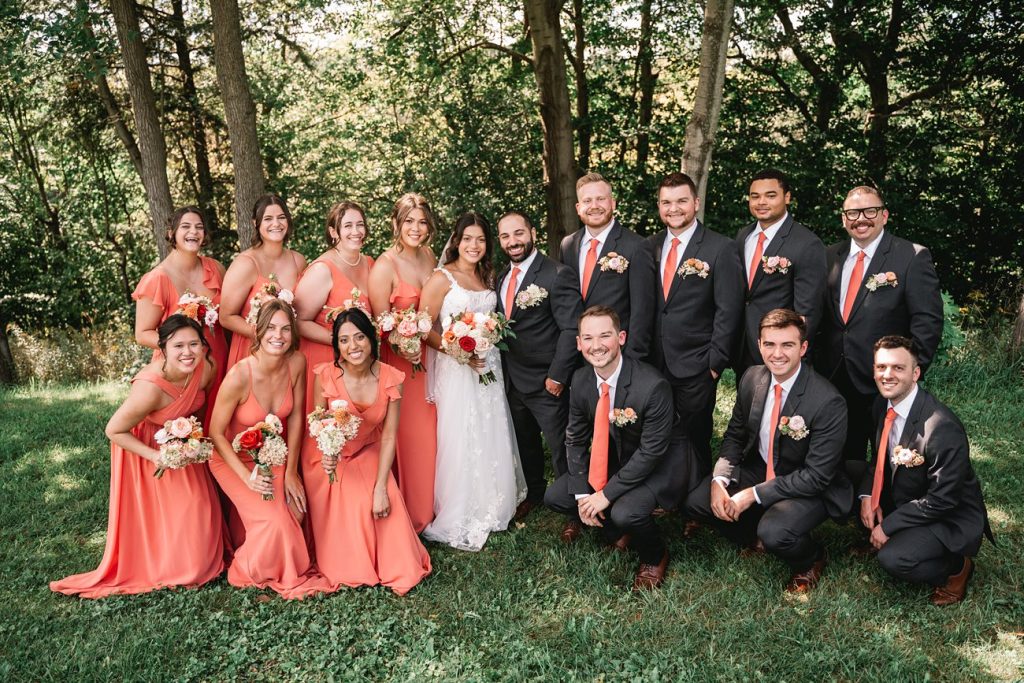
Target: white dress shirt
<point>684,241</point>
<point>611,382</point>
<point>896,431</point>
<point>523,266</point>
<point>750,244</point>
<point>585,246</point>
<point>851,260</point>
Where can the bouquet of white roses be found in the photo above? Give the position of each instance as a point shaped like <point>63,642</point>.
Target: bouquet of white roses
<point>181,444</point>
<point>471,335</point>
<point>333,428</point>
<point>264,444</point>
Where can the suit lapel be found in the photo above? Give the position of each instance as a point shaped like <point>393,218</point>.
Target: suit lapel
<point>789,408</point>
<point>835,277</point>
<point>572,259</point>
<point>773,247</point>
<point>526,279</point>
<point>621,396</point>
<point>497,289</point>
<point>609,246</point>
<point>757,404</point>
<point>876,266</point>
<point>691,251</point>
<point>910,428</point>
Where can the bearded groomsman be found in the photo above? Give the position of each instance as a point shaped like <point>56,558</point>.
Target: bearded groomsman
<point>779,473</point>
<point>698,309</point>
<point>878,285</point>
<point>784,264</point>
<point>919,497</point>
<point>612,264</point>
<point>622,462</point>
<point>541,357</point>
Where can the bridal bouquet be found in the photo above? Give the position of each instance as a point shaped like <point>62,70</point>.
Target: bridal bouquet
<point>354,300</point>
<point>332,428</point>
<point>264,444</point>
<point>271,290</point>
<point>199,308</point>
<point>405,331</point>
<point>468,335</point>
<point>181,444</point>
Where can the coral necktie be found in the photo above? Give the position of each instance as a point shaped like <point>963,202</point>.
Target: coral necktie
<point>883,449</point>
<point>510,295</point>
<point>772,426</point>
<point>856,275</point>
<point>588,267</point>
<point>598,473</point>
<point>670,268</point>
<point>755,261</point>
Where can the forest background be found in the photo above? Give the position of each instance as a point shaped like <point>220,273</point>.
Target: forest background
<point>112,113</point>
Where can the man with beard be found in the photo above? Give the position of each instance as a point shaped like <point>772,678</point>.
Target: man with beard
<point>541,358</point>
<point>612,265</point>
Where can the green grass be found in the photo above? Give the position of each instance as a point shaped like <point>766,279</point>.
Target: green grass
<point>525,608</point>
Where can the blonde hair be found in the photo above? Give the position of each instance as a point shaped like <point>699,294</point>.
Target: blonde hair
<point>406,204</point>
<point>591,178</point>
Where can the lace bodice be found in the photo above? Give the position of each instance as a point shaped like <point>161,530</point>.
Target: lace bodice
<point>459,299</point>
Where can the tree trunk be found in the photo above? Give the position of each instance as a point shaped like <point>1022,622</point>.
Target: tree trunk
<point>8,373</point>
<point>1018,329</point>
<point>584,126</point>
<point>646,80</point>
<point>152,147</point>
<point>203,175</point>
<point>556,119</point>
<point>239,114</point>
<point>707,105</point>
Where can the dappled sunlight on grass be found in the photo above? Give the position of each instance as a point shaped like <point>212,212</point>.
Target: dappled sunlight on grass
<point>1002,659</point>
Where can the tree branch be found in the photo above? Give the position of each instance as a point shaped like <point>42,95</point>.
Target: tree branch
<point>488,45</point>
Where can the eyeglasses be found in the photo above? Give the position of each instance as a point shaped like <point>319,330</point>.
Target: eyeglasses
<point>868,212</point>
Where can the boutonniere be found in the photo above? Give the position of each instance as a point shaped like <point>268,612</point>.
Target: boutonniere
<point>531,296</point>
<point>623,416</point>
<point>613,261</point>
<point>907,457</point>
<point>694,266</point>
<point>775,264</point>
<point>794,427</point>
<point>881,280</point>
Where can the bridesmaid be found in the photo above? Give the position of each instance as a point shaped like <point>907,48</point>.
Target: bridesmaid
<point>328,282</point>
<point>363,533</point>
<point>160,532</point>
<point>395,283</point>
<point>184,270</point>
<point>267,258</point>
<point>270,381</point>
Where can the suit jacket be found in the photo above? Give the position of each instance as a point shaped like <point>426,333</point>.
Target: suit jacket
<point>913,308</point>
<point>695,329</point>
<point>943,493</point>
<point>801,289</point>
<point>810,467</point>
<point>545,341</point>
<point>640,451</point>
<point>628,293</point>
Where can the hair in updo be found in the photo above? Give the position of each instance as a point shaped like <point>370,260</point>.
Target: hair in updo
<point>362,322</point>
<point>267,311</point>
<point>173,324</point>
<point>175,220</point>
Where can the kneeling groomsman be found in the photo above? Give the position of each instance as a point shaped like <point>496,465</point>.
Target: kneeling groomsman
<point>779,474</point>
<point>920,498</point>
<point>541,357</point>
<point>621,465</point>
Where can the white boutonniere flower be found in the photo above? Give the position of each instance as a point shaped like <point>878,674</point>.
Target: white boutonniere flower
<point>881,280</point>
<point>907,457</point>
<point>623,416</point>
<point>694,266</point>
<point>794,427</point>
<point>531,296</point>
<point>775,264</point>
<point>614,261</point>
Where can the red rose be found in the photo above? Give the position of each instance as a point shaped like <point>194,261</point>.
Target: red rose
<point>468,344</point>
<point>251,440</point>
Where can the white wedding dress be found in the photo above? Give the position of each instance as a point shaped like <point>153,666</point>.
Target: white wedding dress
<point>478,481</point>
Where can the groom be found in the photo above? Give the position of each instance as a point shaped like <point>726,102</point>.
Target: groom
<point>621,465</point>
<point>541,357</point>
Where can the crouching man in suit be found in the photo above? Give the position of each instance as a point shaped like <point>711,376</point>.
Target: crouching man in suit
<point>920,498</point>
<point>779,471</point>
<point>622,464</point>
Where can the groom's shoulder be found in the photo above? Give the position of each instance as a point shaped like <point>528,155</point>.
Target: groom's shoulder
<point>646,374</point>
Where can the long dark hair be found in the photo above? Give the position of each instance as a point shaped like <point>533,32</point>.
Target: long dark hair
<point>175,220</point>
<point>260,208</point>
<point>173,324</point>
<point>362,323</point>
<point>484,267</point>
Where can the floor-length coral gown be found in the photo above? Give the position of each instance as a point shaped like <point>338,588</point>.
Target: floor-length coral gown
<point>160,532</point>
<point>417,429</point>
<point>273,554</point>
<point>352,547</point>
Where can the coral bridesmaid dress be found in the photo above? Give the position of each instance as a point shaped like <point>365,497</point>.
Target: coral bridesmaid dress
<point>417,429</point>
<point>353,547</point>
<point>158,288</point>
<point>316,353</point>
<point>273,553</point>
<point>160,532</point>
<point>241,345</point>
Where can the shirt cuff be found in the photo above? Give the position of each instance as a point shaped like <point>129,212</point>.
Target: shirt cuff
<point>581,496</point>
<point>756,497</point>
<point>863,496</point>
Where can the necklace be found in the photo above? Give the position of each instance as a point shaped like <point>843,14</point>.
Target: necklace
<point>181,389</point>
<point>359,258</point>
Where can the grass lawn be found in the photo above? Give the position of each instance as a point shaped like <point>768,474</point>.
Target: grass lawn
<point>525,608</point>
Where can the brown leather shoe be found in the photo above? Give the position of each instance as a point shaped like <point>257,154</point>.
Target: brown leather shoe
<point>621,544</point>
<point>651,576</point>
<point>691,528</point>
<point>955,588</point>
<point>805,581</point>
<point>755,549</point>
<point>572,530</point>
<point>525,508</point>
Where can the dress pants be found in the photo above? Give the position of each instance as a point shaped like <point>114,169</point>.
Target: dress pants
<point>630,514</point>
<point>918,556</point>
<point>860,425</point>
<point>534,413</point>
<point>784,528</point>
<point>694,399</point>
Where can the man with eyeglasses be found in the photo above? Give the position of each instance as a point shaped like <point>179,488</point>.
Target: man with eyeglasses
<point>878,285</point>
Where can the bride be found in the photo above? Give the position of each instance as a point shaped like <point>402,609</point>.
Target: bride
<point>478,481</point>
